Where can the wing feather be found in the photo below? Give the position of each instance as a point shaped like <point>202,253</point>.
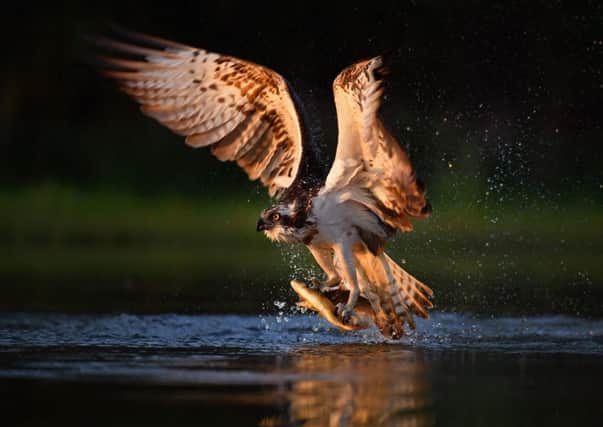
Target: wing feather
<point>368,156</point>
<point>246,112</point>
<point>230,145</point>
<point>255,136</point>
<point>202,135</point>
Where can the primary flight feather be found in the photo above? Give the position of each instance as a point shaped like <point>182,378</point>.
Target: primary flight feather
<point>247,113</point>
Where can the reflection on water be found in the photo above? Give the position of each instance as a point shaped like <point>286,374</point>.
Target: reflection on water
<point>353,385</point>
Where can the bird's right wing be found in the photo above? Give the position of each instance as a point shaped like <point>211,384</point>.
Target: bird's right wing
<point>244,111</point>
<point>372,169</point>
<point>368,157</point>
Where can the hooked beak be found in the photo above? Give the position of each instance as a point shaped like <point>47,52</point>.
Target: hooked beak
<point>261,225</point>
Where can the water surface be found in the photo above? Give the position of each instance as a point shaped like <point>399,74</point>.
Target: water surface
<point>294,370</point>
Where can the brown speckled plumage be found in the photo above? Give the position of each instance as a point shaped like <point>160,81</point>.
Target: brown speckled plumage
<point>242,110</point>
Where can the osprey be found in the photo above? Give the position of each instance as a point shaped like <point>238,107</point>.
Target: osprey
<point>248,113</point>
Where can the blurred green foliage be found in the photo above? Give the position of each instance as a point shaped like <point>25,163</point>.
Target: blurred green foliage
<point>68,249</point>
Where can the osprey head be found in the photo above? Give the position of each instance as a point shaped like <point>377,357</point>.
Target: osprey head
<point>280,223</point>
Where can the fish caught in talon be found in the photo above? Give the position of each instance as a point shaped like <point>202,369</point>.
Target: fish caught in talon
<point>315,300</point>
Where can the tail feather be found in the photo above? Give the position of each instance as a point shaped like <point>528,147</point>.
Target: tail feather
<point>394,294</point>
<point>385,317</point>
<point>412,292</point>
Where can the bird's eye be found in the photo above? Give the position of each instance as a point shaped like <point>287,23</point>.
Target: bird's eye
<point>276,216</point>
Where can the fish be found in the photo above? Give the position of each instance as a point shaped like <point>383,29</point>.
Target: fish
<point>315,300</point>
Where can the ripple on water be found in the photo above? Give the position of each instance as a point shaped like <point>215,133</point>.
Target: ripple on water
<point>263,333</point>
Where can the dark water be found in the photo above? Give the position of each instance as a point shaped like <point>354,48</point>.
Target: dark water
<point>296,370</point>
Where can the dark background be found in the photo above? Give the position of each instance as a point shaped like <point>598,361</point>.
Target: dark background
<point>521,79</point>
<point>499,103</point>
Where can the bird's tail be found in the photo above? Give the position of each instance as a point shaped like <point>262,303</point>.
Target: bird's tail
<point>394,294</point>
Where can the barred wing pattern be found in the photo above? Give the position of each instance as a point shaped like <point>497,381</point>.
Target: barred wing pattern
<point>368,157</point>
<point>244,111</point>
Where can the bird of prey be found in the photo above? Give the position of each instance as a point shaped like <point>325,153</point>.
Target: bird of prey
<point>248,114</point>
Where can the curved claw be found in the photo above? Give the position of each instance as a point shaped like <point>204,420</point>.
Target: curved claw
<point>347,314</point>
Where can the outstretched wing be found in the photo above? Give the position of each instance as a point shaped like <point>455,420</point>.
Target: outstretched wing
<point>368,157</point>
<point>244,111</point>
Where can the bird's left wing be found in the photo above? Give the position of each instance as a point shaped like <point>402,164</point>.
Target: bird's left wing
<point>244,111</point>
<point>368,157</point>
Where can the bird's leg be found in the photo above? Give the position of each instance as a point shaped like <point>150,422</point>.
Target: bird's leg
<point>324,258</point>
<point>345,257</point>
